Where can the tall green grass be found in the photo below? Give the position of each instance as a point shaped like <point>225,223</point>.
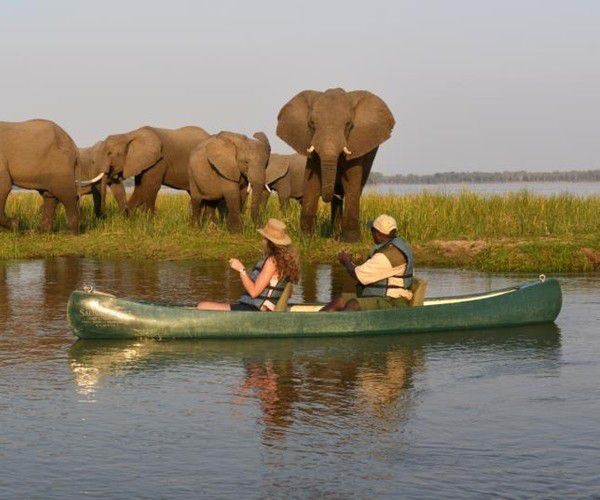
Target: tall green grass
<point>507,222</point>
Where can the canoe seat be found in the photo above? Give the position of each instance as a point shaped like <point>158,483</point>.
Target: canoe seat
<point>418,288</point>
<point>285,296</point>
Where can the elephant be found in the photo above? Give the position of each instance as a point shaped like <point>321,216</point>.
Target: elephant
<point>38,154</point>
<point>226,167</point>
<point>154,156</point>
<point>341,132</point>
<point>91,180</point>
<point>285,176</point>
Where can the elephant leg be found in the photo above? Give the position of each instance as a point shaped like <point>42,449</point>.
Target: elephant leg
<point>233,201</point>
<point>209,211</point>
<point>5,187</point>
<point>136,198</point>
<point>97,196</point>
<point>352,185</point>
<point>284,192</point>
<point>196,204</point>
<point>310,200</point>
<point>221,207</point>
<point>243,196</point>
<point>150,184</point>
<point>48,209</point>
<point>337,205</point>
<point>68,197</point>
<point>118,191</point>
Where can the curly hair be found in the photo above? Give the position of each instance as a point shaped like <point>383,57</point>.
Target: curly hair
<point>287,261</point>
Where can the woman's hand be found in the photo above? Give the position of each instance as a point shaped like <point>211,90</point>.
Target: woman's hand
<point>236,265</point>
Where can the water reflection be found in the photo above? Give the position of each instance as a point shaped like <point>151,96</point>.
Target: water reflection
<point>274,417</point>
<point>314,380</point>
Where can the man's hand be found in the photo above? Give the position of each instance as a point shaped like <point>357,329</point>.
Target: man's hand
<point>346,261</point>
<point>345,258</point>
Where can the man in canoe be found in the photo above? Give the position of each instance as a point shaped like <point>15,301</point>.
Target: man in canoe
<point>265,284</point>
<point>383,281</point>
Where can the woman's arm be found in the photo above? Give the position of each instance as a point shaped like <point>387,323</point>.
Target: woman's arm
<point>255,288</point>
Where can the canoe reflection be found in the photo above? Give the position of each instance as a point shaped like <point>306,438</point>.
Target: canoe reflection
<point>313,379</point>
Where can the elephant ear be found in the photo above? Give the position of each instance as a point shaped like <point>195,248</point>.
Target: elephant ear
<point>277,168</point>
<point>372,125</point>
<point>143,151</point>
<point>262,137</point>
<point>221,154</point>
<point>292,120</point>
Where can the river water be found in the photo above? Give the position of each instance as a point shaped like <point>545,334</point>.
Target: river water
<point>510,412</point>
<point>491,188</point>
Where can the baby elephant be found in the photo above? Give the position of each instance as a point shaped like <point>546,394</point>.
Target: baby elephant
<point>38,154</point>
<point>91,180</point>
<point>226,167</point>
<point>285,176</point>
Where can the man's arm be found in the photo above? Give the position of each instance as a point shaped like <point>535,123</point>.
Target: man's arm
<point>346,261</point>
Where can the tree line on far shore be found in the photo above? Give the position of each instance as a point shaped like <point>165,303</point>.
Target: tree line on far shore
<point>483,177</point>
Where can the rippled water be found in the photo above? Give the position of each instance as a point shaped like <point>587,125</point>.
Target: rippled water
<point>512,412</point>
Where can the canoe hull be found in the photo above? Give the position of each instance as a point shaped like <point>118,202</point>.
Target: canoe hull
<point>97,315</point>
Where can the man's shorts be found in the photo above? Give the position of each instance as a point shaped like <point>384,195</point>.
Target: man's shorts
<point>374,303</point>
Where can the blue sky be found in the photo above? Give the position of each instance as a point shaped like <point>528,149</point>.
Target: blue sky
<point>484,84</point>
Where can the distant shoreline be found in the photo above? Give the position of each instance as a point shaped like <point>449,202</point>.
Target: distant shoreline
<point>486,177</point>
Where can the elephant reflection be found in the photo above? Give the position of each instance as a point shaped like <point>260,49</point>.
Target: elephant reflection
<point>340,131</point>
<point>226,167</point>
<point>5,299</point>
<point>372,378</point>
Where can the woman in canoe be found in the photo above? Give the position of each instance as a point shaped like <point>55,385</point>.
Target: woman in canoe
<point>265,284</point>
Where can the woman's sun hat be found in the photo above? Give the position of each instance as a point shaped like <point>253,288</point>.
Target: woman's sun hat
<point>275,232</point>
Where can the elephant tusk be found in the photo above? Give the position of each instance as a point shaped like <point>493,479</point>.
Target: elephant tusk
<point>91,181</point>
<point>311,149</point>
<point>268,188</point>
<point>338,196</point>
<point>347,152</point>
<point>249,189</point>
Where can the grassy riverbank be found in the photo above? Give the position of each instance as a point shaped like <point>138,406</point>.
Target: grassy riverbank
<point>510,232</point>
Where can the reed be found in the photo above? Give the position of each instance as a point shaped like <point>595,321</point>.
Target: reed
<point>510,232</point>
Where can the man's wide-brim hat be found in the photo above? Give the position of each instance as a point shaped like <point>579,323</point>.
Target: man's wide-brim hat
<point>275,232</point>
<point>385,224</point>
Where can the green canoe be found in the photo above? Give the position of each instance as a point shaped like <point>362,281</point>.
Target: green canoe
<point>99,315</point>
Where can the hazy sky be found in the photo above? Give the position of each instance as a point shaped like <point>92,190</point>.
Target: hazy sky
<point>473,84</point>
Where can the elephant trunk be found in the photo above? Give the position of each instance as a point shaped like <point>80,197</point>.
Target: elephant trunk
<point>258,196</point>
<point>103,184</point>
<point>328,175</point>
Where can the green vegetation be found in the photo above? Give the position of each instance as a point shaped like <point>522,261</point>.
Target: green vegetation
<point>510,232</point>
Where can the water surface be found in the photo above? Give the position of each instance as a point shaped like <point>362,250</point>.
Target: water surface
<point>492,188</point>
<point>512,412</point>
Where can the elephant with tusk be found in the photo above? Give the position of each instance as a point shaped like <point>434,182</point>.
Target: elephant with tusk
<point>340,132</point>
<point>285,176</point>
<point>153,156</point>
<point>92,180</point>
<point>38,154</point>
<point>223,170</point>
